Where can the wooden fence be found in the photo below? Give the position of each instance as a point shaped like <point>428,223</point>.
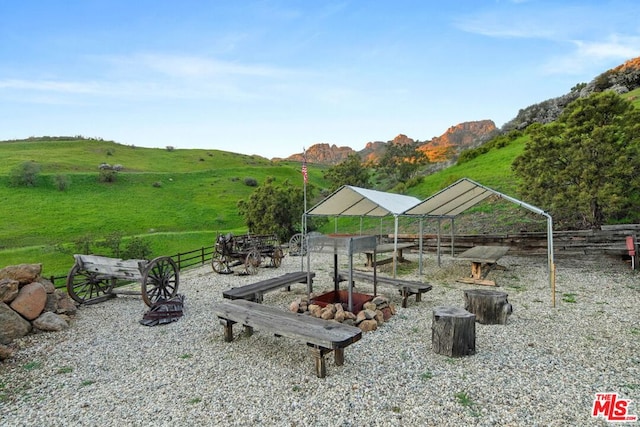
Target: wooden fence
<point>608,240</point>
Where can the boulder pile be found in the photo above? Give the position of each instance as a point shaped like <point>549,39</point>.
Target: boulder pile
<point>373,314</point>
<point>30,303</point>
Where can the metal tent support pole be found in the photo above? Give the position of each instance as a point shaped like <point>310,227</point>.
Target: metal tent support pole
<point>420,246</point>
<point>453,251</point>
<point>438,248</point>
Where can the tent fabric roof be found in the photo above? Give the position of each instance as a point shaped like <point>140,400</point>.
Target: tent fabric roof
<point>452,200</point>
<point>356,201</point>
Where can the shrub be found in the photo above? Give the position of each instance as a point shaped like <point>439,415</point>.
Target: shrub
<point>107,175</point>
<point>157,184</point>
<point>137,248</point>
<point>62,182</point>
<point>112,242</point>
<point>250,182</point>
<point>24,175</point>
<point>170,148</point>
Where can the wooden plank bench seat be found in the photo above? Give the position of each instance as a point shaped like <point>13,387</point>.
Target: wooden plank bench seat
<point>255,291</point>
<point>322,336</point>
<point>406,287</point>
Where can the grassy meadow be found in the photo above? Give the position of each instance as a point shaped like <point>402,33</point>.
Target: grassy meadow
<point>176,200</point>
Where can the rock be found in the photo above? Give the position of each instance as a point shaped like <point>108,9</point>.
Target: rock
<point>8,290</point>
<point>328,312</point>
<point>368,325</point>
<point>370,314</point>
<point>361,316</point>
<point>48,285</point>
<point>369,306</point>
<point>315,310</point>
<point>12,325</point>
<point>379,317</point>
<point>380,300</point>
<point>392,307</point>
<point>30,300</point>
<point>23,273</point>
<point>294,306</point>
<point>5,352</point>
<point>50,322</point>
<point>340,316</point>
<point>349,315</point>
<point>338,306</point>
<point>386,313</point>
<point>60,302</point>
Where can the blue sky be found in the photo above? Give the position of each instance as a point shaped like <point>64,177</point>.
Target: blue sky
<point>270,77</point>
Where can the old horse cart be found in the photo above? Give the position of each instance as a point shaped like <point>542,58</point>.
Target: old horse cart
<point>248,251</point>
<point>96,278</point>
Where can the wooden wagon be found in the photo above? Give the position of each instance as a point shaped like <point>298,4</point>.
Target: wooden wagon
<point>248,250</point>
<point>95,278</point>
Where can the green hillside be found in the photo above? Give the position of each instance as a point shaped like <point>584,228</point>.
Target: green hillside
<point>158,191</point>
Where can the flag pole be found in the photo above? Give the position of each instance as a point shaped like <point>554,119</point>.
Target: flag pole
<point>305,178</point>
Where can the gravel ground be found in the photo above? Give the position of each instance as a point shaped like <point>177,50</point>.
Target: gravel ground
<point>541,369</point>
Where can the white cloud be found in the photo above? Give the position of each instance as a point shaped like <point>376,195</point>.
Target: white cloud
<point>592,55</point>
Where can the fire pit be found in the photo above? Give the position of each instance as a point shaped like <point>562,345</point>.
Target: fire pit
<point>342,297</point>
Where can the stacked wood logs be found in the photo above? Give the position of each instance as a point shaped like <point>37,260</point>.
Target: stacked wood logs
<point>373,314</point>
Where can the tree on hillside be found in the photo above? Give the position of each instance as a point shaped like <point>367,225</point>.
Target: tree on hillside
<point>583,167</point>
<point>402,161</point>
<point>274,209</point>
<point>350,171</point>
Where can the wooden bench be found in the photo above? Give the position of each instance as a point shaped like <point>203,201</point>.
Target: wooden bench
<point>384,248</point>
<point>255,291</point>
<point>406,287</point>
<point>323,336</point>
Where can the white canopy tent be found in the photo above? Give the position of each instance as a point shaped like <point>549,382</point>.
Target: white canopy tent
<point>361,202</point>
<point>447,203</point>
<point>465,193</point>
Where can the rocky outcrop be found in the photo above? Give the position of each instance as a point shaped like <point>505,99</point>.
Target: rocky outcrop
<point>324,154</point>
<point>457,138</point>
<point>439,149</point>
<point>621,79</point>
<point>29,303</point>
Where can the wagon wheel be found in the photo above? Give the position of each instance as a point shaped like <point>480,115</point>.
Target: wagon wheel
<point>159,280</point>
<point>221,265</point>
<point>87,287</point>
<point>295,245</point>
<point>252,262</point>
<point>276,257</point>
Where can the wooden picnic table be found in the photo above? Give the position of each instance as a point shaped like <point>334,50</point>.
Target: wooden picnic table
<point>483,260</point>
<point>384,248</point>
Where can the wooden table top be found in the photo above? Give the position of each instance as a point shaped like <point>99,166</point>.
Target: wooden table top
<point>488,254</point>
<point>388,247</point>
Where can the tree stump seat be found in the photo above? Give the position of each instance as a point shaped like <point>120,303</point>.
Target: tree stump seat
<point>490,306</point>
<point>453,331</point>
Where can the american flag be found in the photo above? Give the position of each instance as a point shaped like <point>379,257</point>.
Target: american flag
<point>304,168</point>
